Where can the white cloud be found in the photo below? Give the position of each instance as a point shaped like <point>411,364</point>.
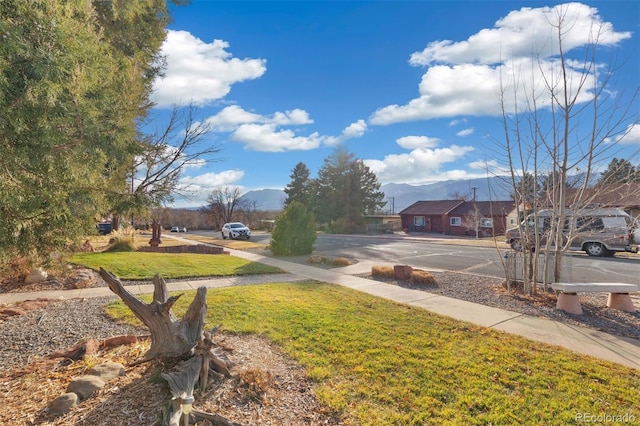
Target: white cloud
<point>465,78</point>
<point>229,118</point>
<point>196,163</point>
<point>353,130</point>
<point>264,132</point>
<point>296,116</point>
<point>412,142</point>
<point>484,165</point>
<point>523,33</point>
<point>457,121</point>
<point>211,180</point>
<point>631,135</point>
<point>465,132</point>
<point>232,117</point>
<point>194,190</point>
<point>422,165</point>
<point>266,137</point>
<point>199,72</point>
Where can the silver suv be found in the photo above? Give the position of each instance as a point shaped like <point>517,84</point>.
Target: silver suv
<point>235,230</point>
<point>597,231</point>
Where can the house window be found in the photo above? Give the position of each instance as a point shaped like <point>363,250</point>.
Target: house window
<point>486,222</point>
<point>418,221</point>
<point>455,221</point>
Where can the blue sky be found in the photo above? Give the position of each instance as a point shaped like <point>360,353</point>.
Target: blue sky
<point>408,87</point>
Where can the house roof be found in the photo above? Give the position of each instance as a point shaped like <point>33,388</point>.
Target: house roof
<point>433,207</point>
<point>626,195</point>
<point>485,208</point>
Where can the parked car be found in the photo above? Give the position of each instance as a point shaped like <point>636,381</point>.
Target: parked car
<point>183,229</point>
<point>175,229</point>
<point>597,231</point>
<point>235,230</point>
<point>104,228</point>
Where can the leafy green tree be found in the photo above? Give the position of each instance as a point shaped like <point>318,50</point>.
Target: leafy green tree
<point>135,32</point>
<point>301,186</point>
<point>71,92</point>
<point>294,232</point>
<point>346,190</point>
<point>55,80</point>
<point>619,171</point>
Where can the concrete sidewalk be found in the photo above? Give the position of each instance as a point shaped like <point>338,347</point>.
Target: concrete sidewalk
<point>601,345</point>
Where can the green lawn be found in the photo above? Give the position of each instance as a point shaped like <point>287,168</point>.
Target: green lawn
<point>377,362</point>
<point>142,266</point>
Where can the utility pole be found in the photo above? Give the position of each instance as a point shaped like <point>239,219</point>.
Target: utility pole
<point>476,217</point>
<point>393,204</point>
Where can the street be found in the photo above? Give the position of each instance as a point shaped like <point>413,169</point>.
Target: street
<point>434,252</point>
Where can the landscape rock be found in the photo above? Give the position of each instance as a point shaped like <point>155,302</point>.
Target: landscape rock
<point>402,272</point>
<point>29,305</point>
<point>85,386</point>
<point>78,351</point>
<point>36,275</point>
<point>9,312</point>
<point>127,339</point>
<point>107,371</point>
<point>63,404</point>
<point>83,278</point>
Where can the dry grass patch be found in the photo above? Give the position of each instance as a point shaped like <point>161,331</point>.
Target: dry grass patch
<point>341,262</point>
<point>420,277</point>
<point>383,272</point>
<point>337,262</point>
<point>121,243</point>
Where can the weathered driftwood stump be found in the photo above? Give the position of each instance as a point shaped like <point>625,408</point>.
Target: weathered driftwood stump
<point>184,338</point>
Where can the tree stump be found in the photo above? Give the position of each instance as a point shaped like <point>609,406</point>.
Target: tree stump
<point>170,337</point>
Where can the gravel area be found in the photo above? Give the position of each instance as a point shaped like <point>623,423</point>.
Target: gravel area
<point>59,325</point>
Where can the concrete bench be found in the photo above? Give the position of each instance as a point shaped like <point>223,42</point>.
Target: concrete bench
<point>618,295</point>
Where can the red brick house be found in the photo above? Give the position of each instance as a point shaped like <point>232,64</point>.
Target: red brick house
<point>457,217</point>
<point>428,216</point>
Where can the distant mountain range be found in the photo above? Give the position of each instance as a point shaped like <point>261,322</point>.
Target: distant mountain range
<point>400,196</point>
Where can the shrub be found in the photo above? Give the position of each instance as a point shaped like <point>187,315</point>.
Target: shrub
<point>294,231</point>
<point>121,243</point>
<point>382,272</point>
<point>341,261</point>
<point>422,277</point>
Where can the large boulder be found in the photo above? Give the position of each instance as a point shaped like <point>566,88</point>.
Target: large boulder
<point>107,371</point>
<point>63,404</point>
<point>85,386</point>
<point>37,275</point>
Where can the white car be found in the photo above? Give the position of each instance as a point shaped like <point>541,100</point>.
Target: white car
<point>235,230</point>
